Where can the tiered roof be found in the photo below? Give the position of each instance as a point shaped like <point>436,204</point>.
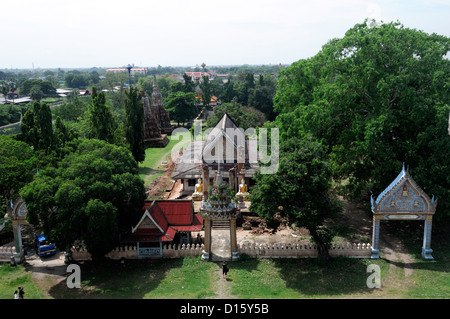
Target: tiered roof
<point>162,219</point>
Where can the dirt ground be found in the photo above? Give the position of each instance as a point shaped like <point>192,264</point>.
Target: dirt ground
<point>159,186</point>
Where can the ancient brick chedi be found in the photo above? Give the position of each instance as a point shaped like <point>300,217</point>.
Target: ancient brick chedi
<point>156,119</point>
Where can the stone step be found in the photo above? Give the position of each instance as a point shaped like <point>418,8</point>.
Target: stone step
<point>221,224</point>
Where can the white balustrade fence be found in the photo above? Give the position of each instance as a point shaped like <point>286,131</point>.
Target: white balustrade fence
<point>6,253</point>
<point>278,250</point>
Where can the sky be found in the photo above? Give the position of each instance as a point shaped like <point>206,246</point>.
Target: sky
<point>109,33</point>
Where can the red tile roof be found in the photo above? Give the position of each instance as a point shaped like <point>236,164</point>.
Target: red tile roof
<point>169,217</point>
<point>177,212</point>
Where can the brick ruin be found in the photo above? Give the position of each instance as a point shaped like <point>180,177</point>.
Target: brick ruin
<point>156,119</point>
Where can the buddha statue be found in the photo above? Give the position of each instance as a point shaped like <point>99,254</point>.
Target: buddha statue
<point>405,191</point>
<point>243,190</point>
<point>198,193</point>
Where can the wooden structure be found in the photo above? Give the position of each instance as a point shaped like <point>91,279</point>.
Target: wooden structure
<point>225,143</point>
<point>403,200</point>
<point>164,222</point>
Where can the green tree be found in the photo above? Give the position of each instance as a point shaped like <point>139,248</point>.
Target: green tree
<point>261,97</point>
<point>17,167</point>
<point>72,110</point>
<point>92,195</point>
<point>78,81</point>
<point>189,85</point>
<point>181,106</point>
<point>61,133</point>
<point>229,93</point>
<point>36,93</point>
<point>205,86</point>
<point>378,98</point>
<point>36,127</point>
<point>135,123</point>
<point>13,88</point>
<point>300,191</point>
<point>5,89</point>
<point>246,87</point>
<point>245,117</point>
<point>45,86</point>
<point>101,119</point>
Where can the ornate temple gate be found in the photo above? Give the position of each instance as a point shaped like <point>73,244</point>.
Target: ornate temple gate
<point>403,200</point>
<point>17,213</point>
<point>219,209</point>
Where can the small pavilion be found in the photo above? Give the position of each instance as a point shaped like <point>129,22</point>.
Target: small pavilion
<point>226,148</point>
<point>164,221</point>
<point>403,199</point>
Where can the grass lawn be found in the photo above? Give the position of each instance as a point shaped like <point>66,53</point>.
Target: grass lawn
<point>302,278</point>
<point>13,277</point>
<point>189,278</point>
<point>151,168</point>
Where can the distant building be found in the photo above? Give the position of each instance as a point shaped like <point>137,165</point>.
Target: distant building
<point>197,76</point>
<point>133,71</point>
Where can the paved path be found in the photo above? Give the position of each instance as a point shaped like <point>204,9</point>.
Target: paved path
<point>223,288</point>
<point>220,244</point>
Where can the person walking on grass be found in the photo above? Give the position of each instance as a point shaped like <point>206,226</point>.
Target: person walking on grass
<point>224,270</point>
<point>21,292</point>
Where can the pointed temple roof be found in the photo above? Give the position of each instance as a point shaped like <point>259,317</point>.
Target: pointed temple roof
<point>195,154</point>
<point>226,131</point>
<point>162,219</point>
<point>403,195</point>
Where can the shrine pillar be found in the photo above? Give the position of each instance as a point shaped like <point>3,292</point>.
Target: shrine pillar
<point>426,248</point>
<point>376,237</point>
<point>233,238</point>
<point>207,244</point>
<point>205,175</point>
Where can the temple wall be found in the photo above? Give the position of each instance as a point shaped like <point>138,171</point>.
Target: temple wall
<point>279,250</point>
<point>6,253</point>
<point>304,251</point>
<point>175,251</point>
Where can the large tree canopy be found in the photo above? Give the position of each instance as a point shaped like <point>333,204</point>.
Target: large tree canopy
<point>378,97</point>
<point>300,190</point>
<point>181,106</point>
<point>17,167</point>
<point>45,86</point>
<point>92,194</point>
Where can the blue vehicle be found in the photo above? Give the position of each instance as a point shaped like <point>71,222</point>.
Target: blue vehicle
<point>44,247</point>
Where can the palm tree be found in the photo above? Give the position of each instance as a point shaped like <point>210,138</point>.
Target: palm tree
<point>13,87</point>
<point>5,89</point>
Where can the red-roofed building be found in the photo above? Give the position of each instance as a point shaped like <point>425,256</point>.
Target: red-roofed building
<point>164,221</point>
<point>197,76</point>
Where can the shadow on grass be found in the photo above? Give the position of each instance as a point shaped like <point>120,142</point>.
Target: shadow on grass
<point>298,278</point>
<point>146,171</point>
<point>110,279</point>
<point>317,278</point>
